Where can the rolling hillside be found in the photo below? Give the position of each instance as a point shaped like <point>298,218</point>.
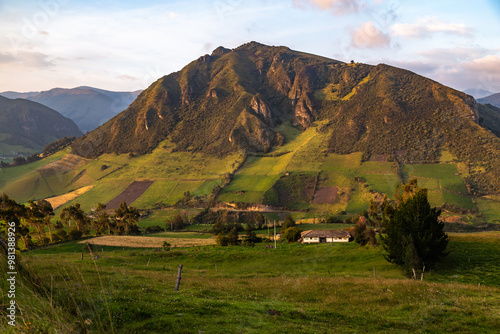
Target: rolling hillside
<point>281,130</point>
<point>493,99</point>
<point>490,117</point>
<point>26,127</point>
<point>88,107</point>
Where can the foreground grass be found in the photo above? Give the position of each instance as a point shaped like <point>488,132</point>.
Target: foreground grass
<point>291,289</point>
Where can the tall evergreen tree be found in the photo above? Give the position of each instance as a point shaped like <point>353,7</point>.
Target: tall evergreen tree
<point>414,236</point>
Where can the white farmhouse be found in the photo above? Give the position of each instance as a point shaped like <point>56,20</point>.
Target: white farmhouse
<point>320,236</point>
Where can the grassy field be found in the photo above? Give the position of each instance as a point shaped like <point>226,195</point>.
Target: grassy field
<point>291,289</point>
<point>443,182</point>
<point>490,208</point>
<point>13,174</point>
<point>180,240</point>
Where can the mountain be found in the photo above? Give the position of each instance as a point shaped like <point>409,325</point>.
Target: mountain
<point>88,107</point>
<point>233,100</point>
<point>26,126</point>
<point>490,117</point>
<point>492,99</point>
<point>477,92</point>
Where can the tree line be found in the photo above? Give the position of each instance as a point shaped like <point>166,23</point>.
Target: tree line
<point>34,223</point>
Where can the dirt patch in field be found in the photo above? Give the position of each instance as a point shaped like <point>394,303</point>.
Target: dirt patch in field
<point>453,219</point>
<point>57,201</point>
<point>379,158</point>
<point>129,195</point>
<point>326,195</point>
<point>147,242</point>
<point>65,164</point>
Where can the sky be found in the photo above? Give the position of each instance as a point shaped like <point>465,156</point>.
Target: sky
<point>127,45</point>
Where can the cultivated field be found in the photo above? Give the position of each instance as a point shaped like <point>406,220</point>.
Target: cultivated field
<point>147,242</point>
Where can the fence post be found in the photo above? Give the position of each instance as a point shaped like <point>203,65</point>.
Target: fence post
<point>178,282</point>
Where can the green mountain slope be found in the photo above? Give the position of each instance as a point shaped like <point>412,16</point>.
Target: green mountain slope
<point>490,117</point>
<point>26,126</point>
<point>234,99</point>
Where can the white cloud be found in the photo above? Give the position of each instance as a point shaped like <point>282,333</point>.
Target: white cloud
<point>338,6</point>
<point>486,65</point>
<point>369,36</point>
<point>428,26</point>
<point>25,60</point>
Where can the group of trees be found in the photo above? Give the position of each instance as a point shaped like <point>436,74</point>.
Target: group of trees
<point>35,224</point>
<point>18,161</point>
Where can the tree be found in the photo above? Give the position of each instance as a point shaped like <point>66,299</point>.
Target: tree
<point>414,236</point>
<point>289,222</point>
<point>233,237</point>
<point>74,214</point>
<point>11,211</point>
<point>127,218</point>
<point>35,218</point>
<point>19,161</point>
<point>102,222</point>
<point>176,223</point>
<point>291,234</point>
<point>364,234</point>
<point>46,210</point>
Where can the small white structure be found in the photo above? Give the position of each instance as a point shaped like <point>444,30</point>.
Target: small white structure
<point>320,236</point>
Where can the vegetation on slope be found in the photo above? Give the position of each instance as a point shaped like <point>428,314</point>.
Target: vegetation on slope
<point>236,100</point>
<point>26,127</point>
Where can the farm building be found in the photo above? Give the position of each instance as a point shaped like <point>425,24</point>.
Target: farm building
<point>320,236</point>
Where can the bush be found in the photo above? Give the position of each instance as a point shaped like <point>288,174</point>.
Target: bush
<point>61,234</point>
<point>222,240</point>
<point>252,238</point>
<point>291,234</point>
<point>153,229</point>
<point>334,220</point>
<point>289,222</point>
<point>74,234</point>
<point>44,241</point>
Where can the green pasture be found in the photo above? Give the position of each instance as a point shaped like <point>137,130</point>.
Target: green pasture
<point>292,289</point>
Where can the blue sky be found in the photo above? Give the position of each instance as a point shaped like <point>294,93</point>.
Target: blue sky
<point>126,45</point>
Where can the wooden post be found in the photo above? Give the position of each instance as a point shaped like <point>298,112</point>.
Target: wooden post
<point>178,282</point>
<point>267,223</point>
<point>373,270</point>
<point>215,267</point>
<point>82,256</point>
<point>275,234</point>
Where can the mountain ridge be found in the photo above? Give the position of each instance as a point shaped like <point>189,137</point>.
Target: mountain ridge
<point>233,100</point>
<point>27,126</point>
<point>493,99</point>
<point>87,106</point>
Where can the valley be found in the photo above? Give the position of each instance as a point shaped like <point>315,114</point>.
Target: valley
<point>202,165</point>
